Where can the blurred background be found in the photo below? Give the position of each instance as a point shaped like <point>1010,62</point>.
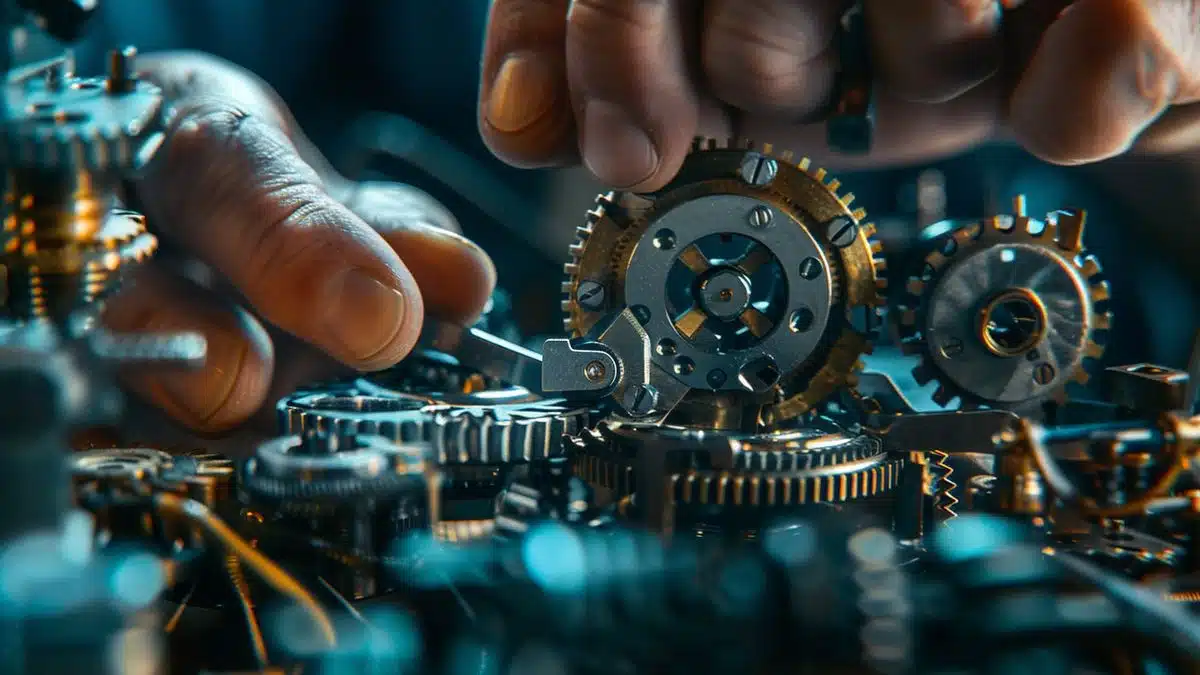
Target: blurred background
<point>387,88</point>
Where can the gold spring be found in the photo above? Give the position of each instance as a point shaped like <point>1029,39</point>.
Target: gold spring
<point>944,499</point>
<point>1183,596</point>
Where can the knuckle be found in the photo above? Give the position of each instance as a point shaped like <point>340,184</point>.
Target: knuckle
<point>744,67</point>
<point>639,17</point>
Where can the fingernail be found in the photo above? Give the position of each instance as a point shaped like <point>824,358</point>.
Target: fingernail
<point>366,315</point>
<point>524,90</point>
<point>615,149</point>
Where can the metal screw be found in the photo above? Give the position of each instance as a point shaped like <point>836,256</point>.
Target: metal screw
<point>590,295</point>
<point>842,231</point>
<point>1043,374</point>
<point>716,378</point>
<point>122,70</point>
<point>760,217</point>
<point>639,400</point>
<point>810,268</point>
<point>758,170</point>
<point>952,348</point>
<point>594,371</point>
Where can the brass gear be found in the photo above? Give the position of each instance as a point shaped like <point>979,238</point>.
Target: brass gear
<point>607,242</point>
<point>1033,273</point>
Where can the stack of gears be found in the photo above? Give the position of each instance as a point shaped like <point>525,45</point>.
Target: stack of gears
<point>712,385</point>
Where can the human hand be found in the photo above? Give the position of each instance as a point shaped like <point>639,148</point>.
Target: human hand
<point>626,84</point>
<point>311,258</point>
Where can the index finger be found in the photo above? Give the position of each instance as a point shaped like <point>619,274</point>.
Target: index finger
<point>525,112</point>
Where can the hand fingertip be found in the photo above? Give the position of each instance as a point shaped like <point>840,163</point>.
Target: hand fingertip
<point>525,116</point>
<point>373,322</point>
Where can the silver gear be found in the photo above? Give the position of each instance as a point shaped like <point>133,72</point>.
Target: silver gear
<point>85,124</point>
<point>1008,312</point>
<point>122,465</point>
<point>459,435</point>
<point>286,468</point>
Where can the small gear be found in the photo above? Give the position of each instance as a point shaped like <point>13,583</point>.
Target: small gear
<point>123,466</point>
<point>1007,312</point>
<point>204,476</point>
<point>460,435</point>
<point>334,466</point>
<point>815,465</point>
<point>751,275</point>
<point>97,124</point>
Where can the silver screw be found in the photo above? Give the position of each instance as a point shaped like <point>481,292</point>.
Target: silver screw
<point>760,217</point>
<point>594,371</point>
<point>639,400</point>
<point>842,231</point>
<point>758,170</point>
<point>590,295</point>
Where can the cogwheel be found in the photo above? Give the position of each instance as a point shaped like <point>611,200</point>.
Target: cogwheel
<point>692,261</point>
<point>1008,312</point>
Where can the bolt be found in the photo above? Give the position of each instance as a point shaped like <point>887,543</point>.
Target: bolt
<point>758,170</point>
<point>842,231</point>
<point>952,348</point>
<point>55,74</point>
<point>122,70</point>
<point>594,371</point>
<point>639,400</point>
<point>1043,374</point>
<point>590,295</point>
<point>760,217</point>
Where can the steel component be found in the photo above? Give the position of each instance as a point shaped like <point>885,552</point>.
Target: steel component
<point>474,435</point>
<point>666,467</point>
<point>440,378</point>
<point>763,286</point>
<point>579,368</point>
<point>120,465</point>
<point>1149,389</point>
<point>335,466</point>
<point>485,353</point>
<point>1008,312</point>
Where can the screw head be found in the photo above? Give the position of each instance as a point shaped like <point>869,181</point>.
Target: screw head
<point>1043,373</point>
<point>594,371</point>
<point>760,217</point>
<point>640,400</point>
<point>842,231</point>
<point>758,170</point>
<point>590,295</point>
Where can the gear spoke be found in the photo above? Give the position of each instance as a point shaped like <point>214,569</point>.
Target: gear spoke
<point>695,260</point>
<point>690,322</point>
<point>753,259</point>
<point>758,323</point>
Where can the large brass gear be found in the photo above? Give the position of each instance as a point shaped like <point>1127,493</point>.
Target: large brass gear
<point>1007,312</point>
<point>612,253</point>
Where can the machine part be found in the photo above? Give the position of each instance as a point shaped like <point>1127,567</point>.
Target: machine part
<point>748,274</point>
<point>121,466</point>
<point>463,531</point>
<point>336,466</point>
<point>542,493</point>
<point>203,476</point>
<point>1148,389</point>
<point>1007,313</point>
<point>668,467</point>
<point>1131,553</point>
<point>475,435</point>
<point>441,378</point>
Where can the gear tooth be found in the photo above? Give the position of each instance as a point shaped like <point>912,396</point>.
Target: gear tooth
<point>804,164</point>
<point>876,247</point>
<point>1093,350</point>
<point>881,285</point>
<point>942,396</point>
<point>1100,292</point>
<point>819,174</point>
<point>698,143</point>
<point>606,198</point>
<point>858,215</point>
<point>880,264</point>
<point>834,185</point>
<point>787,156</point>
<point>922,374</point>
<point>768,149</point>
<point>571,269</point>
<point>915,286</point>
<point>1069,226</point>
<point>568,287</point>
<point>1019,206</point>
<point>869,229</point>
<point>1102,322</point>
<point>583,232</point>
<point>1090,266</point>
<point>847,199</point>
<point>568,325</point>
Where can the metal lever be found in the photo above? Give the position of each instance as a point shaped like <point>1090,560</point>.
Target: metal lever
<point>485,353</point>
